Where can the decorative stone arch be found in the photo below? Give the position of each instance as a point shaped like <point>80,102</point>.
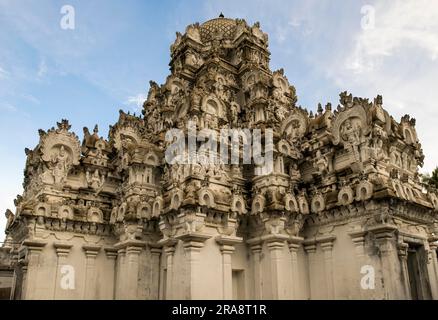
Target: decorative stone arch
<point>206,198</point>
<point>43,209</point>
<point>144,211</point>
<point>279,81</point>
<point>303,205</point>
<point>296,125</point>
<point>364,190</point>
<point>52,142</point>
<point>152,159</point>
<point>238,205</point>
<point>176,199</point>
<point>213,106</point>
<point>126,134</point>
<point>290,203</point>
<point>95,215</point>
<point>65,212</point>
<point>283,147</point>
<point>121,212</point>
<point>345,196</point>
<point>318,203</point>
<point>157,207</point>
<point>258,204</point>
<point>357,115</point>
<point>409,134</point>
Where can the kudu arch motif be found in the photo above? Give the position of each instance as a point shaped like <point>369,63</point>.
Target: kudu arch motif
<point>344,185</point>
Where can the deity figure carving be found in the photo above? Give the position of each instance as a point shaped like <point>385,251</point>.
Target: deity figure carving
<point>60,163</point>
<point>95,180</point>
<point>341,180</point>
<point>294,172</point>
<point>321,163</point>
<point>351,134</point>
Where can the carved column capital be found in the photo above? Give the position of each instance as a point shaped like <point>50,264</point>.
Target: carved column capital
<point>62,249</point>
<point>310,248</point>
<point>91,251</point>
<point>33,245</point>
<point>193,240</point>
<point>111,253</point>
<point>227,243</point>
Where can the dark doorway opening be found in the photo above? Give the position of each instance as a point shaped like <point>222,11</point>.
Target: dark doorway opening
<point>417,271</point>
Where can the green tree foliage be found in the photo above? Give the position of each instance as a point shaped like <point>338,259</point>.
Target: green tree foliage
<point>431,179</point>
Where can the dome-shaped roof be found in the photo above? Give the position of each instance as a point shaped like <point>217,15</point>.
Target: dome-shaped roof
<point>225,27</point>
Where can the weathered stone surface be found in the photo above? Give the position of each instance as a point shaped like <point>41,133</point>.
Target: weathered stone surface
<point>111,219</point>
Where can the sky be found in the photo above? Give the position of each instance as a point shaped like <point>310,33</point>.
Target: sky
<point>86,74</point>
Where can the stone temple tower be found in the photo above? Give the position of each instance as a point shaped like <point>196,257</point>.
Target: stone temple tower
<point>342,215</point>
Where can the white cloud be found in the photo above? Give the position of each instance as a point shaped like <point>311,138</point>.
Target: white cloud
<point>398,25</point>
<point>398,58</point>
<point>31,98</point>
<point>5,106</point>
<point>42,68</point>
<point>136,102</point>
<point>3,73</point>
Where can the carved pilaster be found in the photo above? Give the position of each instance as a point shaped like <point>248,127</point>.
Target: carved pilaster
<point>111,254</point>
<point>358,239</point>
<point>327,248</point>
<point>132,250</point>
<point>120,271</point>
<point>34,249</point>
<point>91,252</point>
<point>402,250</point>
<point>294,245</point>
<point>193,243</point>
<point>62,252</point>
<point>166,292</point>
<point>310,249</point>
<point>386,241</point>
<point>155,272</point>
<point>256,250</point>
<point>432,268</point>
<point>227,249</point>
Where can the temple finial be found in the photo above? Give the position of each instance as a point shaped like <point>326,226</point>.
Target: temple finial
<point>221,15</point>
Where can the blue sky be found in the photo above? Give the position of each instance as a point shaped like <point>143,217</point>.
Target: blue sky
<point>87,74</point>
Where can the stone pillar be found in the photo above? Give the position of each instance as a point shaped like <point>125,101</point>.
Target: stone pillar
<point>169,251</point>
<point>30,274</point>
<point>314,287</point>
<point>192,243</point>
<point>358,239</point>
<point>120,271</point>
<point>294,245</point>
<point>23,282</point>
<point>327,247</point>
<point>256,250</point>
<point>431,268</point>
<point>128,268</point>
<point>434,270</point>
<point>133,251</point>
<point>385,240</point>
<point>62,252</point>
<point>275,251</point>
<point>402,249</point>
<point>91,252</point>
<point>155,273</point>
<point>111,254</point>
<point>227,248</point>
